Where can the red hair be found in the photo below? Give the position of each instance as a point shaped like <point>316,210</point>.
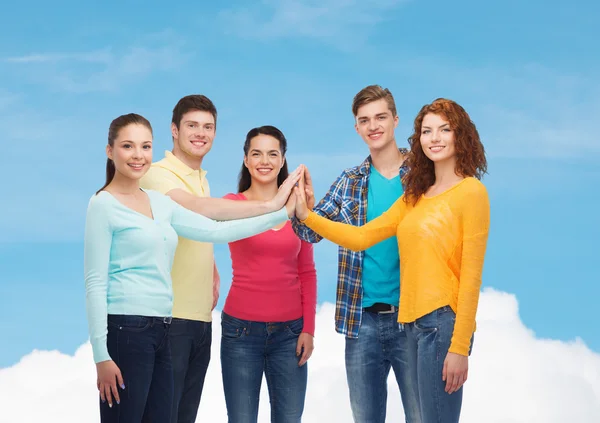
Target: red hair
<point>470,154</point>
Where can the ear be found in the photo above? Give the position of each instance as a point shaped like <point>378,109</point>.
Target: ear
<point>396,120</point>
<point>355,125</point>
<point>246,161</point>
<point>282,162</point>
<point>109,152</point>
<point>174,131</point>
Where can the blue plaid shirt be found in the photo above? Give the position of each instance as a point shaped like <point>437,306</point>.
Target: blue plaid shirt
<point>346,201</point>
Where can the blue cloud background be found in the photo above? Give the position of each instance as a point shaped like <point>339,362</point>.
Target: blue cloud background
<point>526,73</point>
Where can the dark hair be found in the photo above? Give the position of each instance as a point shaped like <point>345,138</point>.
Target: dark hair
<point>113,132</point>
<point>470,154</point>
<point>244,180</point>
<point>193,102</point>
<point>370,94</point>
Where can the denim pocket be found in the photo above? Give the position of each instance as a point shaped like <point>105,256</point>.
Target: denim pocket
<point>230,328</point>
<point>295,327</point>
<point>130,323</point>
<point>427,323</point>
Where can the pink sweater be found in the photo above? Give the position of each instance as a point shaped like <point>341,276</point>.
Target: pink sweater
<point>274,277</point>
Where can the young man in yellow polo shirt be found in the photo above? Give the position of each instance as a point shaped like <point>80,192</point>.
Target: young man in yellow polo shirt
<point>194,274</point>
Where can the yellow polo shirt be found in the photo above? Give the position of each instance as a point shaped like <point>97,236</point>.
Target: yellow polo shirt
<point>193,265</point>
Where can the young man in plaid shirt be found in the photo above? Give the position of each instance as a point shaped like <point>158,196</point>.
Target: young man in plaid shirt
<point>368,281</point>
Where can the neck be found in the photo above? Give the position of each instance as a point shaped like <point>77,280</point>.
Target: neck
<point>124,185</point>
<point>192,162</point>
<point>262,192</point>
<point>445,172</point>
<point>387,159</point>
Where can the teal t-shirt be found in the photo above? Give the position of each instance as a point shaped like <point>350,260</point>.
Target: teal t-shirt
<point>381,265</point>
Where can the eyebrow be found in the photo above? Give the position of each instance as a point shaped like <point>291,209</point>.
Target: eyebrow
<point>269,151</point>
<point>441,126</point>
<point>143,142</point>
<point>198,123</point>
<point>378,114</point>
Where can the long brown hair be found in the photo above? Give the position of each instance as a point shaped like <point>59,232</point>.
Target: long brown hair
<point>113,132</point>
<point>470,154</point>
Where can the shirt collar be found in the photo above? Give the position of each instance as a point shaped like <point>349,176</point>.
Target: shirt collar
<point>180,167</point>
<point>364,168</point>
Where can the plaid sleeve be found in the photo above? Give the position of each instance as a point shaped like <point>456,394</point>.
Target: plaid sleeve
<point>329,207</point>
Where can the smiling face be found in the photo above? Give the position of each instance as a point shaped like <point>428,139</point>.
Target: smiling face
<point>437,138</point>
<point>131,151</point>
<point>375,123</point>
<point>195,135</point>
<point>264,159</point>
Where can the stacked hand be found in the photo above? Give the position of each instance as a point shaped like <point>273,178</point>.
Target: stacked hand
<point>284,193</point>
<point>305,199</point>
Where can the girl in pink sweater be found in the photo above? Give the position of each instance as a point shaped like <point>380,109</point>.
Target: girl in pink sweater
<point>268,321</point>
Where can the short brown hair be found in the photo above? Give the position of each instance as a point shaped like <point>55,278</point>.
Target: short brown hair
<point>370,94</point>
<point>193,102</point>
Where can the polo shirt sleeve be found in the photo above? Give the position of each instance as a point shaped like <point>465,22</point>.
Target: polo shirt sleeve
<point>161,180</point>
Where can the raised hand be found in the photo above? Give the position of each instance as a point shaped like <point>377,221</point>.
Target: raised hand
<point>300,194</point>
<point>291,205</point>
<point>309,190</point>
<point>285,189</point>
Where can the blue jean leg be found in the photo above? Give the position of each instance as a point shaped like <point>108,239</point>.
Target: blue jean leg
<point>381,345</point>
<point>431,335</point>
<point>140,347</point>
<point>190,344</point>
<point>285,379</point>
<point>251,349</point>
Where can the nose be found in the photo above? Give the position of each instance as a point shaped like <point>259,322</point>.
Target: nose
<point>435,136</point>
<point>137,153</point>
<point>373,124</point>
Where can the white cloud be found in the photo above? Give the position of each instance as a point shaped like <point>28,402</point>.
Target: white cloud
<point>514,377</point>
<point>105,69</point>
<point>339,22</point>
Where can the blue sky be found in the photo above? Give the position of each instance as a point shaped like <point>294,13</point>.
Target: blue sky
<point>527,74</point>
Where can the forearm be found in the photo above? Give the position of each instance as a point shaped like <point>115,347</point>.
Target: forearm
<point>199,228</point>
<point>468,293</point>
<point>305,233</point>
<point>355,238</point>
<point>464,326</point>
<point>221,208</point>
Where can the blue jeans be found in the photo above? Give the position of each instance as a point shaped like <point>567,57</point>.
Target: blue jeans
<point>429,340</point>
<point>381,345</point>
<point>140,347</point>
<point>190,345</point>
<point>249,349</point>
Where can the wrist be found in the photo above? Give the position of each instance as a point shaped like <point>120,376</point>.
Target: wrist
<point>269,206</point>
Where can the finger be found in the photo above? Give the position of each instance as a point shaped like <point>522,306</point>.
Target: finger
<point>456,384</point>
<point>449,381</point>
<point>120,380</point>
<point>107,395</point>
<point>299,346</point>
<point>101,389</point>
<point>115,392</point>
<point>445,370</point>
<point>307,177</point>
<point>304,358</point>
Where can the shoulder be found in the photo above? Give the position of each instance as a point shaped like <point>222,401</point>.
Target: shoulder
<point>160,169</point>
<point>472,192</point>
<point>232,196</point>
<point>99,201</point>
<point>473,186</point>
